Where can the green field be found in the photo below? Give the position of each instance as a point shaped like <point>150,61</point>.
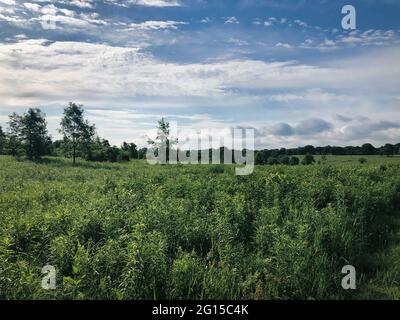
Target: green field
<point>135,231</point>
<point>344,160</point>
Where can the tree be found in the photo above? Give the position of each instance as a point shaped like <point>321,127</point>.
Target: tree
<point>388,149</point>
<point>294,161</point>
<point>28,132</point>
<point>163,142</point>
<point>308,159</point>
<point>33,133</point>
<point>131,149</point>
<point>397,148</point>
<point>259,159</point>
<point>2,140</point>
<point>76,130</point>
<point>309,149</point>
<point>13,143</point>
<point>284,160</point>
<point>272,161</point>
<point>112,154</point>
<point>367,149</point>
<point>142,153</point>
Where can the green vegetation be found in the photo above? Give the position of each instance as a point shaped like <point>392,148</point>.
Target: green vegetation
<point>134,231</point>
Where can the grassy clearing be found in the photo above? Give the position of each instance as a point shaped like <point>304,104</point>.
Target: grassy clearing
<point>135,231</point>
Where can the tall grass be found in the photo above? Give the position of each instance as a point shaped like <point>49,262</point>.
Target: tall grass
<point>134,231</point>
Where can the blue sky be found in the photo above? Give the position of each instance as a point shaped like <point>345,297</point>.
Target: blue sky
<point>285,68</point>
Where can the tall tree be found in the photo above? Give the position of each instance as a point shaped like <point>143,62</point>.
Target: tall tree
<point>76,130</point>
<point>163,142</point>
<point>28,131</point>
<point>368,149</point>
<point>397,148</point>
<point>388,149</point>
<point>131,149</point>
<point>13,144</point>
<point>33,132</point>
<point>2,140</point>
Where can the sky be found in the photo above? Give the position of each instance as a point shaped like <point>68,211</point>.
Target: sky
<point>284,68</point>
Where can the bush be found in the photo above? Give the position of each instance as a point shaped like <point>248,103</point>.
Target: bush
<point>308,159</point>
<point>284,160</point>
<point>294,161</point>
<point>272,161</point>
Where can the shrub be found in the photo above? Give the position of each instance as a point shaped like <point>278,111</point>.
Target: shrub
<point>308,159</point>
<point>294,161</point>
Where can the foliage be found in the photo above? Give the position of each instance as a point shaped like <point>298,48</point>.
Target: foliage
<point>28,134</point>
<point>362,160</point>
<point>294,161</point>
<point>164,141</point>
<point>77,131</point>
<point>135,231</point>
<point>308,159</point>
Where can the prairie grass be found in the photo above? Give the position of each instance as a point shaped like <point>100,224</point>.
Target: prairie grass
<point>135,231</point>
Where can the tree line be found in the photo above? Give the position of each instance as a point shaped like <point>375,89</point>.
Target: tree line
<point>27,136</point>
<point>288,156</point>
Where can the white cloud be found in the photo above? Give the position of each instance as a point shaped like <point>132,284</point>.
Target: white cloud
<point>95,70</point>
<point>156,3</point>
<point>38,72</point>
<point>232,20</point>
<point>8,2</point>
<point>301,23</point>
<point>312,95</point>
<point>283,45</point>
<point>34,7</point>
<point>81,3</point>
<point>372,38</point>
<point>154,25</point>
<point>147,3</point>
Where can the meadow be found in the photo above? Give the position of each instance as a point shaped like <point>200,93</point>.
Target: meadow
<point>135,231</point>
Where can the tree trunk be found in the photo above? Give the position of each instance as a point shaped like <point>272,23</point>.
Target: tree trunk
<point>74,152</point>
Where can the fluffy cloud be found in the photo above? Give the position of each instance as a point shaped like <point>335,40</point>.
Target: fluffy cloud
<point>50,13</point>
<point>366,128</point>
<point>34,7</point>
<point>304,128</point>
<point>154,25</point>
<point>40,72</point>
<point>320,132</point>
<point>147,3</point>
<point>8,2</point>
<point>232,20</point>
<point>92,69</point>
